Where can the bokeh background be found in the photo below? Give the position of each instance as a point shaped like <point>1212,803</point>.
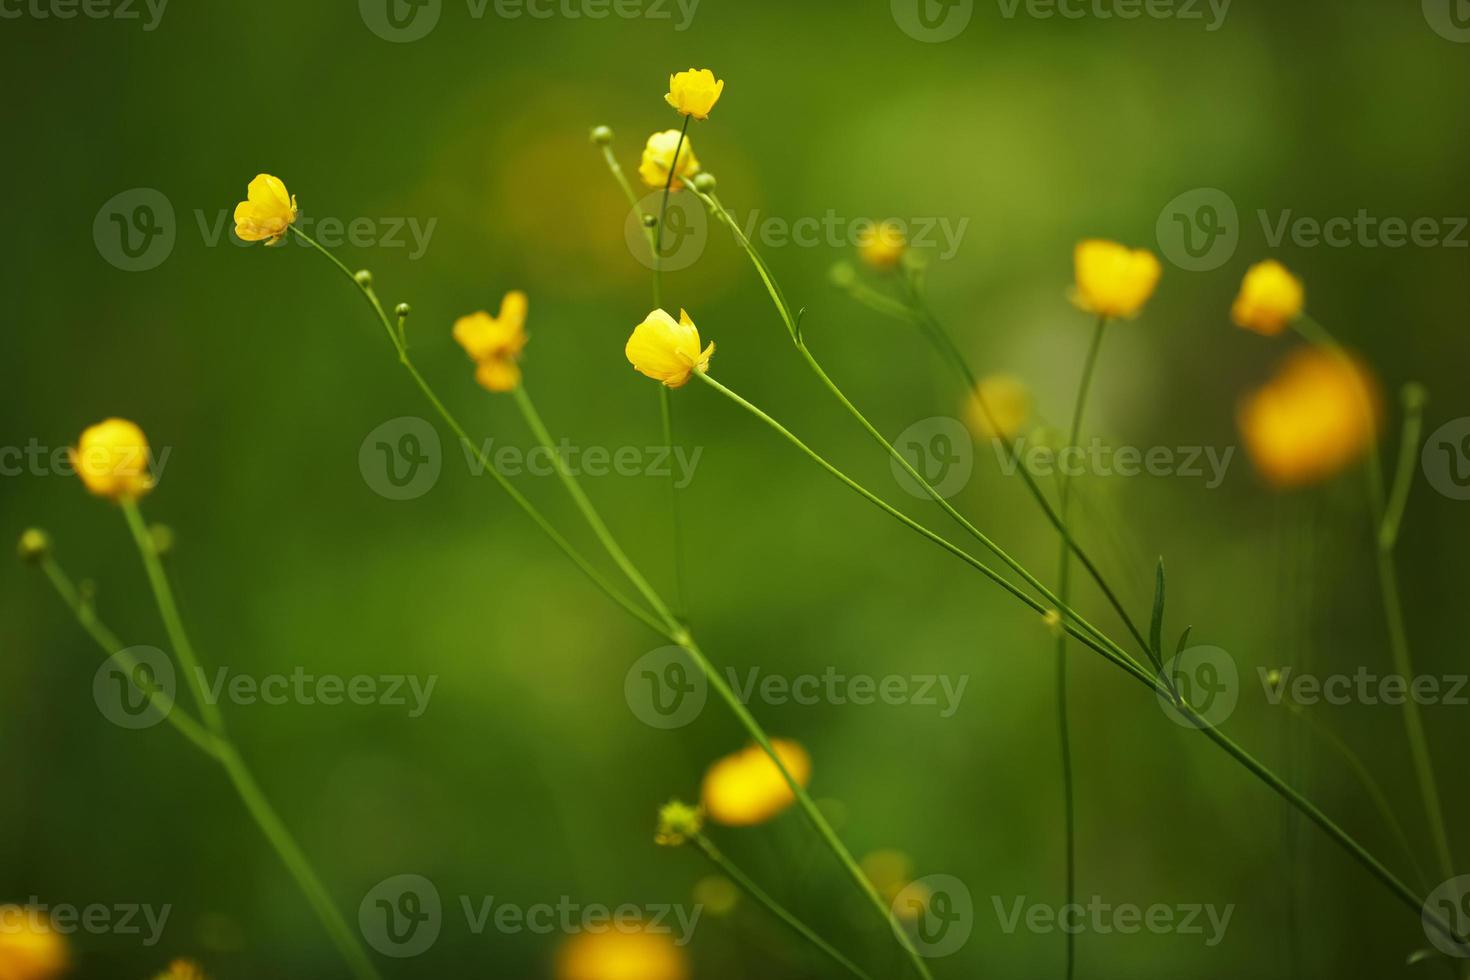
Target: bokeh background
<point>529,778</point>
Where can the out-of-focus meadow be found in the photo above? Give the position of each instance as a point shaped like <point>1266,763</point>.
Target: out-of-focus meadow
<point>527,776</point>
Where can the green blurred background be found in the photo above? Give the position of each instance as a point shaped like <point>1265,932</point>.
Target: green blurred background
<point>528,778</point>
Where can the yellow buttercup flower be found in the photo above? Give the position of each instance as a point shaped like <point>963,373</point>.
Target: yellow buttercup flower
<point>677,822</point>
<point>694,92</point>
<point>267,211</point>
<point>1270,298</point>
<point>111,457</point>
<point>495,343</point>
<point>30,949</point>
<point>666,349</point>
<point>658,156</point>
<point>999,407</point>
<point>1316,417</point>
<point>746,788</point>
<point>1113,280</point>
<point>622,953</point>
<point>882,246</point>
<point>182,970</point>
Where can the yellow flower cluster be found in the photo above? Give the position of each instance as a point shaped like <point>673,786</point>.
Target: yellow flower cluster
<point>495,343</point>
<point>111,457</point>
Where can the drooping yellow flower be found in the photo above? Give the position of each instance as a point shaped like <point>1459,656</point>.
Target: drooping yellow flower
<point>677,822</point>
<point>999,407</point>
<point>658,156</point>
<point>882,246</point>
<point>1317,416</point>
<point>1113,280</point>
<point>111,457</point>
<point>746,788</point>
<point>267,211</point>
<point>182,970</point>
<point>495,343</point>
<point>694,92</point>
<point>666,349</point>
<point>1269,299</point>
<point>621,953</point>
<point>30,949</point>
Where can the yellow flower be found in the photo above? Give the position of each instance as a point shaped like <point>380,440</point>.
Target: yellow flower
<point>658,154</point>
<point>1113,280</point>
<point>667,350</point>
<point>999,408</point>
<point>495,343</point>
<point>1270,298</point>
<point>111,457</point>
<point>1316,417</point>
<point>889,871</point>
<point>29,948</point>
<point>694,92</point>
<point>677,822</point>
<point>883,246</point>
<point>182,970</point>
<point>746,788</point>
<point>266,212</point>
<point>621,953</point>
<point>911,901</point>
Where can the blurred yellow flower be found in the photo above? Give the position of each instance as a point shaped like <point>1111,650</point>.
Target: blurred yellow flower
<point>111,457</point>
<point>1113,280</point>
<point>889,871</point>
<point>1316,417</point>
<point>266,212</point>
<point>677,822</point>
<point>911,901</point>
<point>30,949</point>
<point>658,156</point>
<point>1270,298</point>
<point>999,407</point>
<point>746,788</point>
<point>716,894</point>
<point>882,246</point>
<point>621,954</point>
<point>694,92</point>
<point>667,350</point>
<point>182,970</point>
<point>495,343</point>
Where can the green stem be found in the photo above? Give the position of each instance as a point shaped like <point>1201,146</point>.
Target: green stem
<point>663,207</point>
<point>756,892</point>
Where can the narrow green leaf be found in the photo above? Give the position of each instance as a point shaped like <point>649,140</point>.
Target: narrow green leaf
<point>1183,640</point>
<point>1156,627</point>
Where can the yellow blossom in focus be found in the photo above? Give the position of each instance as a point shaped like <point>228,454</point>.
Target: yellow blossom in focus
<point>495,343</point>
<point>1000,406</point>
<point>746,788</point>
<point>182,970</point>
<point>621,953</point>
<point>29,948</point>
<point>882,246</point>
<point>666,349</point>
<point>1316,417</point>
<point>658,156</point>
<point>111,457</point>
<point>677,822</point>
<point>1113,280</point>
<point>694,92</point>
<point>1270,298</point>
<point>267,211</point>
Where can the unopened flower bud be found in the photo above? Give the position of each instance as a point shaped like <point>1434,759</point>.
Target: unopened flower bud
<point>602,135</point>
<point>35,544</point>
